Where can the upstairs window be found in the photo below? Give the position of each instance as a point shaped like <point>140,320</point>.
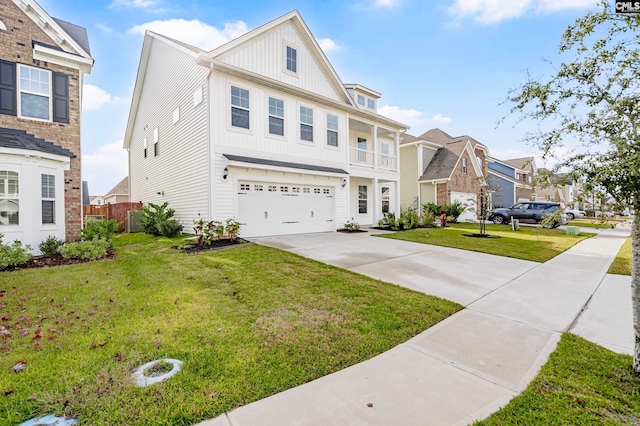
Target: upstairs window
<point>9,198</point>
<point>306,124</point>
<point>35,93</point>
<point>276,116</point>
<point>360,100</point>
<point>371,104</point>
<point>332,130</point>
<point>464,166</point>
<point>239,107</point>
<point>292,59</point>
<point>156,141</point>
<point>48,199</point>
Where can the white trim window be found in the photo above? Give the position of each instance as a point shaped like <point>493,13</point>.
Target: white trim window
<point>464,166</point>
<point>371,104</point>
<point>34,93</point>
<point>361,100</point>
<point>239,107</point>
<point>362,199</point>
<point>145,147</point>
<point>332,130</point>
<point>48,199</point>
<point>306,124</point>
<point>156,141</point>
<point>276,116</point>
<point>291,59</point>
<point>9,198</point>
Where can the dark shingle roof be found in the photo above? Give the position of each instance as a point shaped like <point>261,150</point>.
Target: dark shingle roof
<point>121,188</point>
<point>19,139</point>
<point>520,163</point>
<point>284,164</point>
<point>441,165</point>
<point>436,135</point>
<point>407,138</point>
<point>77,33</point>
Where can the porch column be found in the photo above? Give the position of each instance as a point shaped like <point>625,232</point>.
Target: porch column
<point>396,198</point>
<point>397,141</point>
<point>375,145</point>
<point>376,200</point>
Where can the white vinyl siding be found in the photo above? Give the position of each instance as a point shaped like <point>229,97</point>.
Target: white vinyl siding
<point>266,56</point>
<point>181,170</point>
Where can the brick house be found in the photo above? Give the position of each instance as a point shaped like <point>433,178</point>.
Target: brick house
<point>439,168</point>
<point>42,63</point>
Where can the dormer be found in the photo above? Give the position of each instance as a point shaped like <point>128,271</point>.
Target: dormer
<point>365,98</point>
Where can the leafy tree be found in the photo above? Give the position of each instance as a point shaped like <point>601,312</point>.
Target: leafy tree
<point>590,105</point>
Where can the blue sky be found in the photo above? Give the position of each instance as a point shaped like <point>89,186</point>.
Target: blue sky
<point>437,63</point>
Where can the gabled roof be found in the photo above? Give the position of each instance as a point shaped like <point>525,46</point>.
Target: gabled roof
<point>521,163</point>
<point>436,135</point>
<point>446,159</point>
<point>305,34</point>
<point>76,32</point>
<point>407,138</point>
<point>122,188</point>
<point>19,139</point>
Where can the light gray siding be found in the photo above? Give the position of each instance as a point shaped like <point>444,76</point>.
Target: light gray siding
<point>180,171</point>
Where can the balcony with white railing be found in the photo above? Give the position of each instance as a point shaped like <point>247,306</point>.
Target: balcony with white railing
<point>387,162</point>
<point>362,157</point>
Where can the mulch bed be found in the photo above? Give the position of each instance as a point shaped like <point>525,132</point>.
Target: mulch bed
<point>215,245</point>
<point>57,260</point>
<point>351,231</point>
<point>481,236</point>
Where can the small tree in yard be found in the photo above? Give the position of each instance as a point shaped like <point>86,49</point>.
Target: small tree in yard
<point>594,99</point>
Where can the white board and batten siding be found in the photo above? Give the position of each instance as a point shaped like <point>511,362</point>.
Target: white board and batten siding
<point>180,171</point>
<point>266,56</point>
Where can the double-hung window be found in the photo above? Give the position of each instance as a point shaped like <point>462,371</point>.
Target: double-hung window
<point>332,130</point>
<point>35,93</point>
<point>360,100</point>
<point>306,124</point>
<point>292,59</point>
<point>239,107</point>
<point>9,198</point>
<point>276,116</point>
<point>362,199</point>
<point>48,199</point>
<point>371,104</point>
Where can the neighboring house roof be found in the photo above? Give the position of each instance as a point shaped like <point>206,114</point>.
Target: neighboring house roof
<point>19,139</point>
<point>521,163</point>
<point>263,161</point>
<point>122,188</point>
<point>436,135</point>
<point>550,193</point>
<point>76,32</point>
<point>407,138</point>
<point>506,177</point>
<point>441,166</point>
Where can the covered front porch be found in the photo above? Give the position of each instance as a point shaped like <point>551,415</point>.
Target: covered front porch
<point>372,146</point>
<point>370,198</point>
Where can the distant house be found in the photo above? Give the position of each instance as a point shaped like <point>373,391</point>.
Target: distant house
<point>42,63</point>
<point>96,200</point>
<point>261,129</point>
<point>442,169</point>
<point>511,181</point>
<point>119,193</point>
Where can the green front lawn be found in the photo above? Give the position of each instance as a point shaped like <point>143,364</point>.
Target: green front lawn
<point>528,243</point>
<point>622,263</point>
<point>581,384</point>
<point>247,322</point>
<point>594,223</point>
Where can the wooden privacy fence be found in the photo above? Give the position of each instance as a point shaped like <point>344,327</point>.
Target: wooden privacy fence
<point>108,211</point>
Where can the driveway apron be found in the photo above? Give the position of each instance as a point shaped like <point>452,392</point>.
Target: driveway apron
<point>472,363</point>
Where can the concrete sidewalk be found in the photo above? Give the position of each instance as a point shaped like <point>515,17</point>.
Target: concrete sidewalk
<point>470,364</point>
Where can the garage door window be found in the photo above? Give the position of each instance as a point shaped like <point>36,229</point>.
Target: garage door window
<point>362,199</point>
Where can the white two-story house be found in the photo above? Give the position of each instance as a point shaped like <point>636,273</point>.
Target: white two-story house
<point>261,129</point>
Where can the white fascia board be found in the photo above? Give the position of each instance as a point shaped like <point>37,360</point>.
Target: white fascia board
<point>27,153</point>
<point>422,143</point>
<point>243,165</point>
<point>64,59</point>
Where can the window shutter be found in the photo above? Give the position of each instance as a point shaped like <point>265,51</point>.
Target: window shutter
<point>8,88</point>
<point>60,97</point>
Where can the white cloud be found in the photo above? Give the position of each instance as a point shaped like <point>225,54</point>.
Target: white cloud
<point>194,32</point>
<point>105,168</point>
<point>492,11</point>
<point>418,122</point>
<point>385,3</point>
<point>328,45</point>
<point>105,28</point>
<point>134,3</point>
<point>94,97</point>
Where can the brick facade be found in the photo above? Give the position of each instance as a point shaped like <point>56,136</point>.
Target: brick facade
<point>16,46</point>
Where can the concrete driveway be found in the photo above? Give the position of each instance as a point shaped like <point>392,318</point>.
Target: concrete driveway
<point>472,363</point>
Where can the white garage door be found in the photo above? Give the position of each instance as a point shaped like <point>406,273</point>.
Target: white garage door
<point>468,199</point>
<point>277,208</point>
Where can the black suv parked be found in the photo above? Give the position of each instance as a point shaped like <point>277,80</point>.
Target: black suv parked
<point>528,212</point>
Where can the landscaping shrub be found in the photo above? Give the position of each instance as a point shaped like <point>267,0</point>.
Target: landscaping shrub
<point>426,220</point>
<point>352,226</point>
<point>13,254</point>
<point>232,227</point>
<point>214,230</point>
<point>409,218</point>
<point>87,250</point>
<point>432,208</point>
<point>454,210</point>
<point>153,214</point>
<point>50,246</point>
<point>169,228</point>
<point>392,221</point>
<point>100,229</point>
